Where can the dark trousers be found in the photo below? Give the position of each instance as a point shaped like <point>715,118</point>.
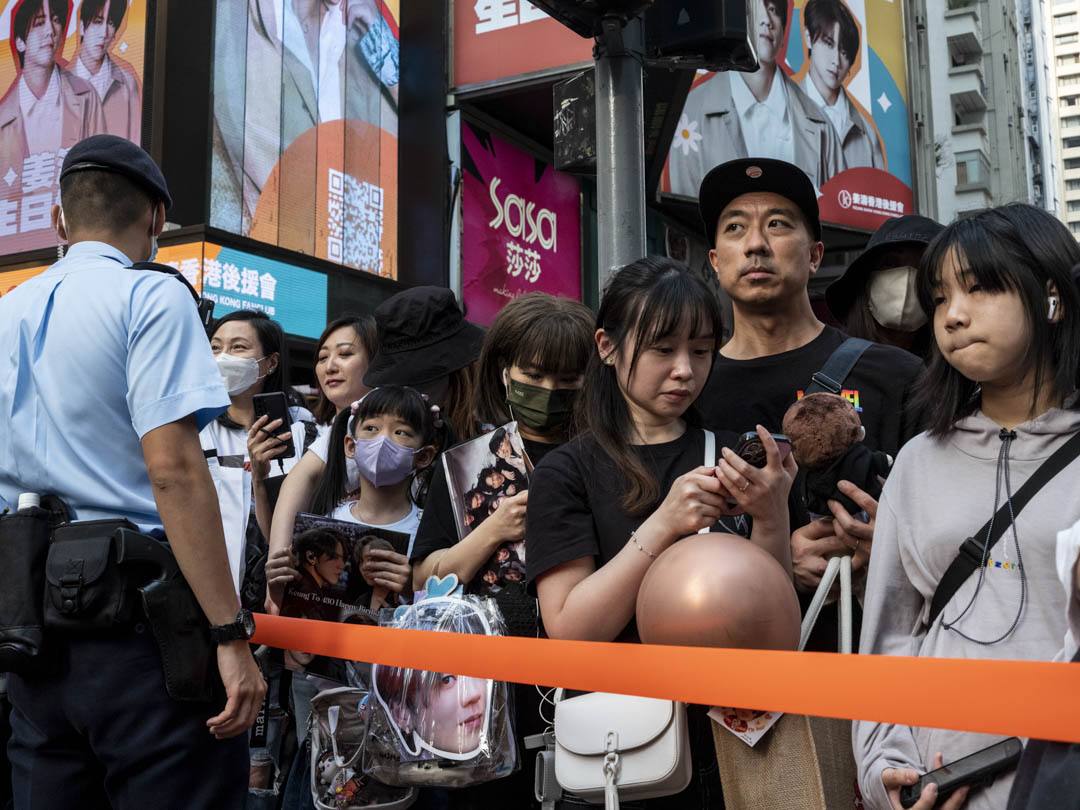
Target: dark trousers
<point>103,733</point>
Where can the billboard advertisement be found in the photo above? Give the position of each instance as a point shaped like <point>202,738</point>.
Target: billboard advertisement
<point>830,96</point>
<point>498,39</point>
<point>71,70</point>
<point>522,226</point>
<point>305,130</point>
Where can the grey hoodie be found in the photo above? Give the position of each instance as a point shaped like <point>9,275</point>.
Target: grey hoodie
<point>939,493</point>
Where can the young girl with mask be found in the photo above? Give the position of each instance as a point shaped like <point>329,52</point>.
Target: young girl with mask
<point>1000,393</point>
<point>607,503</point>
<point>530,369</point>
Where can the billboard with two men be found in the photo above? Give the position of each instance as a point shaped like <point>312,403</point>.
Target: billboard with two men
<point>72,68</point>
<point>830,96</point>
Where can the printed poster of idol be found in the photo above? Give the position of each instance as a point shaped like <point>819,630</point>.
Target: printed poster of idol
<point>830,96</point>
<point>521,226</point>
<point>71,70</point>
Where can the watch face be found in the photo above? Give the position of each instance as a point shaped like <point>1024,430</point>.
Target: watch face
<point>247,621</point>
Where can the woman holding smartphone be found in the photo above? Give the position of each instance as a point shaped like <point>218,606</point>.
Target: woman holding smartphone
<point>603,506</point>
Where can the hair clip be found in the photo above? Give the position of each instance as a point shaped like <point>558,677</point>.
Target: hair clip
<point>424,397</point>
<point>355,406</point>
<point>435,412</point>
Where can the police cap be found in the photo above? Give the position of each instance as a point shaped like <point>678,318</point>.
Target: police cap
<point>111,153</point>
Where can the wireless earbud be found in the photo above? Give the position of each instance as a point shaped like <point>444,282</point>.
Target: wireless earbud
<point>1052,304</point>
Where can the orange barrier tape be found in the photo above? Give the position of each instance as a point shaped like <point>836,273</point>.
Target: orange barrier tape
<point>1041,699</point>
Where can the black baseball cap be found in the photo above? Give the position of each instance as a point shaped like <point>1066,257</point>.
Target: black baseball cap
<point>747,175</point>
<point>911,229</point>
<point>111,153</point>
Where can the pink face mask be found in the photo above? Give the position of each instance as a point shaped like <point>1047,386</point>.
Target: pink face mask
<point>383,461</point>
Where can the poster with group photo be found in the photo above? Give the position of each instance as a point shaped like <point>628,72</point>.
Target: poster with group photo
<point>830,96</point>
<point>72,69</point>
<point>305,129</point>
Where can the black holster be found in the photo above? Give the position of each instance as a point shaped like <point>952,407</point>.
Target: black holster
<point>105,575</point>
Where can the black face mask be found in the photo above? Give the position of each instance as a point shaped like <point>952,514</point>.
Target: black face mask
<point>541,409</point>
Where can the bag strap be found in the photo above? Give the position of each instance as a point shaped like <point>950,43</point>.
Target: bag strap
<point>836,369</point>
<point>841,566</point>
<point>710,461</point>
<point>970,558</point>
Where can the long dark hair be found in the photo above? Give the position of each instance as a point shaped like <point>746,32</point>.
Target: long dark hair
<point>406,404</point>
<point>643,303</point>
<point>552,335</point>
<point>364,326</point>
<point>1015,248</point>
<point>271,339</point>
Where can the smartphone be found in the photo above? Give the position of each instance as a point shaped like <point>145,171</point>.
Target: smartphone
<point>275,406</point>
<point>977,770</point>
<point>750,449</point>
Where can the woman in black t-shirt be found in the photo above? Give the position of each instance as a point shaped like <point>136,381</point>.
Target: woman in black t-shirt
<point>603,506</point>
<point>530,369</point>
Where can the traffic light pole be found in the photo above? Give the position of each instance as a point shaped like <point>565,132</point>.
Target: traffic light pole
<point>620,150</point>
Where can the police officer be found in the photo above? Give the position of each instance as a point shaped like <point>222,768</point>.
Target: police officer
<point>106,378</point>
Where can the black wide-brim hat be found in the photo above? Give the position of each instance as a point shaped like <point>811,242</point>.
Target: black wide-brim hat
<point>423,335</point>
<point>748,175</point>
<point>910,229</point>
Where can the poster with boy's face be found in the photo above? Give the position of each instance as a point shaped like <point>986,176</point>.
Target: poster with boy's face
<point>435,714</point>
<point>73,68</point>
<point>334,585</point>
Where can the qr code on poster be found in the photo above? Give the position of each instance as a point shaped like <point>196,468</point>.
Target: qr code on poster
<point>355,222</point>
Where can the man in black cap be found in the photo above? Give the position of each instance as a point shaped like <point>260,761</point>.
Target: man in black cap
<point>761,216</point>
<point>875,298</point>
<point>108,378</point>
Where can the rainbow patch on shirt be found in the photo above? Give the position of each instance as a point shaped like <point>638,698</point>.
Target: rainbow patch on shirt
<point>1005,566</point>
<point>850,394</point>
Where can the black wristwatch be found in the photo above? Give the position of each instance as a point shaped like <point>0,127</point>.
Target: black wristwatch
<point>242,627</point>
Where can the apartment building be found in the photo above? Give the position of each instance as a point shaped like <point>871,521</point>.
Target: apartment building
<point>1065,27</point>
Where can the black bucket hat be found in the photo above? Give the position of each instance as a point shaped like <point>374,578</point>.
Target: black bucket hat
<point>423,335</point>
<point>911,229</point>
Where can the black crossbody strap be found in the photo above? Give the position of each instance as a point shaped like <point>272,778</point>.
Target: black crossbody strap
<point>836,369</point>
<point>970,557</point>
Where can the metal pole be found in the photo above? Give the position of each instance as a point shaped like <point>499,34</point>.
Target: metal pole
<point>620,157</point>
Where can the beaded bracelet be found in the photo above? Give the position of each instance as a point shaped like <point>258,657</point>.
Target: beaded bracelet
<point>641,548</point>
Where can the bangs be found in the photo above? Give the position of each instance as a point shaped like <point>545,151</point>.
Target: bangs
<point>553,345</point>
<point>997,264</point>
<point>674,306</point>
<point>394,400</point>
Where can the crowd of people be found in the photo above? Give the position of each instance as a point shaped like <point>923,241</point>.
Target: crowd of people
<point>970,381</point>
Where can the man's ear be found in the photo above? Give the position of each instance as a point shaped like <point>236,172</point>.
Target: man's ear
<point>817,252</point>
<point>20,45</point>
<point>806,40</point>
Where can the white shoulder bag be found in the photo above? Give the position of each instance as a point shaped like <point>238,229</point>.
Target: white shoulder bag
<point>610,747</point>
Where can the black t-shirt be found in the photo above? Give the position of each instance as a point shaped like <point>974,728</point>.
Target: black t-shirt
<point>743,393</point>
<point>575,501</point>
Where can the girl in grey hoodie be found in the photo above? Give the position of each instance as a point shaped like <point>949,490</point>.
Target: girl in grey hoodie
<point>1000,396</point>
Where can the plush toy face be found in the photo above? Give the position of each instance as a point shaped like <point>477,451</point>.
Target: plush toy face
<point>821,428</point>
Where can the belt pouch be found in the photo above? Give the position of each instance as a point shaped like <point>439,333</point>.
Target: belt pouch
<point>86,589</point>
<point>24,544</point>
<point>182,633</point>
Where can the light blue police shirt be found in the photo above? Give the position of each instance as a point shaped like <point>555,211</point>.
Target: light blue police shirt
<point>93,356</point>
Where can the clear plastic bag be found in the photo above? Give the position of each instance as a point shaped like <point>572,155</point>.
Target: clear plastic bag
<point>438,729</point>
<point>339,719</point>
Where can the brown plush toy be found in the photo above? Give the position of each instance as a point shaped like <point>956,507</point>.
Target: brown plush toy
<point>826,440</point>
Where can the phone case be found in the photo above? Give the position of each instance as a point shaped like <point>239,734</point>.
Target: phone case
<point>956,775</point>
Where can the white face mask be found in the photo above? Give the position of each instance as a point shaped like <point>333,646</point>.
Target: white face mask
<point>238,373</point>
<point>893,300</point>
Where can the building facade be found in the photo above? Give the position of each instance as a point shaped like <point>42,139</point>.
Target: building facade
<point>986,123</point>
<point>1066,67</point>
